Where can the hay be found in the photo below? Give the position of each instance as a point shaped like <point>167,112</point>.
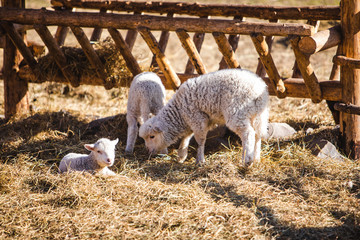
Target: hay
<point>78,64</point>
<point>289,195</point>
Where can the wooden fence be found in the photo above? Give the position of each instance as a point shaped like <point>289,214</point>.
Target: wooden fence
<point>183,18</point>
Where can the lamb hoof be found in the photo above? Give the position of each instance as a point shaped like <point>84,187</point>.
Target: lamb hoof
<point>248,164</point>
<point>200,162</point>
<point>163,151</point>
<point>129,152</point>
<point>181,160</point>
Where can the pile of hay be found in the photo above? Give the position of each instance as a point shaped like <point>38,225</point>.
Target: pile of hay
<point>78,64</point>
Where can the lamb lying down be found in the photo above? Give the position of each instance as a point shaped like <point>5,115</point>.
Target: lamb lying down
<point>102,156</point>
<point>234,97</point>
<point>146,98</point>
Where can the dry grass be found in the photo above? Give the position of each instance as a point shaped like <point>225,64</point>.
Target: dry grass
<point>290,194</point>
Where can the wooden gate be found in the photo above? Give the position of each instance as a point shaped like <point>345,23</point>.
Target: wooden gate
<point>185,18</point>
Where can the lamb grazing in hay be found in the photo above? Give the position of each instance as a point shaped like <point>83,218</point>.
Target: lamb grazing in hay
<point>146,98</point>
<point>234,97</point>
<point>101,157</point>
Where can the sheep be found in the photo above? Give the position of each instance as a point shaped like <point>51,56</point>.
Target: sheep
<point>102,156</point>
<point>233,97</point>
<point>146,98</point>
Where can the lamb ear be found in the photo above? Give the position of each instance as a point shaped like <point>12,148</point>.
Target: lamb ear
<point>89,147</point>
<point>115,141</point>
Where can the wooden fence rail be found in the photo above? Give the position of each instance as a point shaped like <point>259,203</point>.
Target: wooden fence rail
<point>200,9</point>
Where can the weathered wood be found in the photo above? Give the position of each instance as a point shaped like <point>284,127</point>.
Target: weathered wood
<point>294,87</point>
<point>296,70</point>
<point>163,62</point>
<point>18,41</point>
<point>60,35</point>
<point>91,55</point>
<point>163,41</point>
<point>56,53</point>
<point>198,40</point>
<point>335,70</point>
<point>347,62</point>
<point>263,50</point>
<point>16,100</point>
<point>131,35</point>
<point>125,21</point>
<point>347,108</point>
<point>335,75</point>
<point>233,40</point>
<point>303,62</point>
<point>191,51</point>
<point>202,9</point>
<point>350,77</point>
<point>125,51</point>
<point>321,40</point>
<point>96,34</point>
<point>226,49</point>
<point>260,70</point>
<point>61,31</point>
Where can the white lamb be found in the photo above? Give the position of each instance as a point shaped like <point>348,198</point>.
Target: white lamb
<point>146,98</point>
<point>101,157</point>
<point>234,97</point>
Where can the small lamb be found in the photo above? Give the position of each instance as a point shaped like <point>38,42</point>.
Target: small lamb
<point>101,157</point>
<point>234,97</point>
<point>146,98</point>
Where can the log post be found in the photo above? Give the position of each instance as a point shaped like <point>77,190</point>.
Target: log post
<point>91,55</point>
<point>265,56</point>
<point>125,51</point>
<point>321,40</point>
<point>350,77</point>
<point>308,73</point>
<point>15,89</point>
<point>18,41</point>
<point>61,31</point>
<point>198,40</point>
<point>234,42</point>
<point>191,51</point>
<point>131,35</point>
<point>163,41</point>
<point>162,61</point>
<point>260,70</point>
<point>296,70</point>
<point>226,49</point>
<point>96,34</point>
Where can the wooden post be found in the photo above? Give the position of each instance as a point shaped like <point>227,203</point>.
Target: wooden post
<point>233,41</point>
<point>350,77</point>
<point>125,51</point>
<point>15,89</point>
<point>163,41</point>
<point>61,31</point>
<point>226,49</point>
<point>265,56</point>
<point>91,55</point>
<point>198,40</point>
<point>191,51</point>
<point>308,73</point>
<point>96,34</point>
<point>131,35</point>
<point>260,70</point>
<point>18,41</point>
<point>164,64</point>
